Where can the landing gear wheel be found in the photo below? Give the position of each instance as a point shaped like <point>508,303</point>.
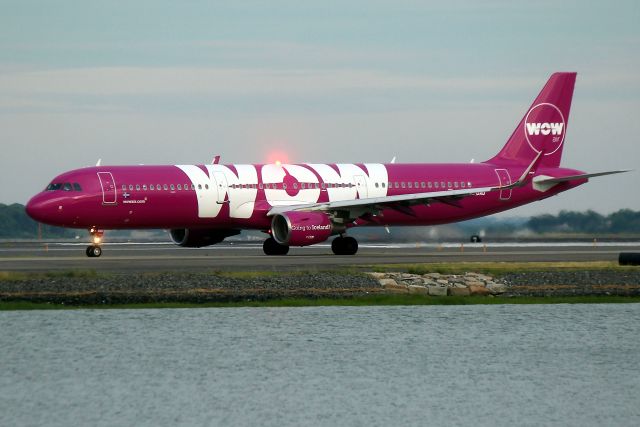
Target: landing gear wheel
<point>271,247</point>
<point>344,245</point>
<point>94,251</point>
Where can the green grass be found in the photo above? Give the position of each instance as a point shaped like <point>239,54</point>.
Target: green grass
<point>372,300</point>
<point>19,275</point>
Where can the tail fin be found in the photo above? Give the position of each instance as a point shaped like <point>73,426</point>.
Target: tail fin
<point>544,126</point>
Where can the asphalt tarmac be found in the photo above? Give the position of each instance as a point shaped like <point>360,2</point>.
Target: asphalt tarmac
<point>143,257</point>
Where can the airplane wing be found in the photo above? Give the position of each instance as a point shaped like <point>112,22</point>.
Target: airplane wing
<point>402,202</point>
<point>355,208</point>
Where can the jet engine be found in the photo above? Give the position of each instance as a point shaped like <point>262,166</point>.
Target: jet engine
<point>196,238</point>
<point>301,228</point>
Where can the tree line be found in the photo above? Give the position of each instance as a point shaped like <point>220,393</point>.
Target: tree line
<point>16,224</point>
<point>622,221</point>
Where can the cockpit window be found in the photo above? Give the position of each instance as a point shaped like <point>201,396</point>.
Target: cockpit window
<point>67,186</point>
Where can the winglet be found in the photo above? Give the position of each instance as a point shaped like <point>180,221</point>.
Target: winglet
<point>99,162</point>
<point>215,160</point>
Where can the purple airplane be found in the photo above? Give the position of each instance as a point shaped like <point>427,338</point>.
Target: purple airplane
<point>305,204</point>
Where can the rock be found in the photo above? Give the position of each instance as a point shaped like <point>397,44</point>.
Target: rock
<point>497,288</point>
<point>437,291</point>
<point>470,283</point>
<point>442,282</point>
<point>459,292</point>
<point>484,277</point>
<point>387,282</point>
<point>418,289</point>
<point>392,285</point>
<point>432,275</point>
<point>377,276</point>
<point>479,290</point>
<point>428,282</point>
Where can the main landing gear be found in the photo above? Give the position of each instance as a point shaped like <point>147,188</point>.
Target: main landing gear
<point>340,246</point>
<point>344,245</point>
<point>271,247</point>
<point>95,250</point>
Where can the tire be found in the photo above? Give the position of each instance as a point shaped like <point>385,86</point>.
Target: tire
<point>344,245</point>
<point>89,251</point>
<point>95,251</point>
<point>476,239</point>
<point>271,247</point>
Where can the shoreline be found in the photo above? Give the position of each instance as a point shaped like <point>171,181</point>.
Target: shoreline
<point>481,283</point>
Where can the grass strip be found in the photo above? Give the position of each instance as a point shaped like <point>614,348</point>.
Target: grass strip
<point>371,300</point>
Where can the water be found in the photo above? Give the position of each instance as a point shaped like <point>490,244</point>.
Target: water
<point>455,365</point>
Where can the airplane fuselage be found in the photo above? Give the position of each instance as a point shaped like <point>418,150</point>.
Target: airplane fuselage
<point>240,196</point>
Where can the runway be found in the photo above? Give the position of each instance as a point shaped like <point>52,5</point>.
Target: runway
<point>145,257</point>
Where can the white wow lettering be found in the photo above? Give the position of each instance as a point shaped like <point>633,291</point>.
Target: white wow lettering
<point>220,185</point>
<point>544,128</point>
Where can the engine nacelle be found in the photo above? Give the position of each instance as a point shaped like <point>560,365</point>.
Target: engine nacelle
<point>197,238</point>
<point>301,228</point>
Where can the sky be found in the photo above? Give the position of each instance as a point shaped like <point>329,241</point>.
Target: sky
<point>166,82</point>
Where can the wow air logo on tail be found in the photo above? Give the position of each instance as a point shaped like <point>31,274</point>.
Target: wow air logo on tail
<point>544,128</point>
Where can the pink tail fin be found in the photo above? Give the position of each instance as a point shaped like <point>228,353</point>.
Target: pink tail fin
<point>544,126</point>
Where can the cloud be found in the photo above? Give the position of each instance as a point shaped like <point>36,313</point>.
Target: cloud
<point>197,81</point>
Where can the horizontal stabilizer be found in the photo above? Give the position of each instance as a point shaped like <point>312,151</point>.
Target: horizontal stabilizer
<point>544,182</point>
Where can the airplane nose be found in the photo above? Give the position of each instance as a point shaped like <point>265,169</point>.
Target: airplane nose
<point>38,208</point>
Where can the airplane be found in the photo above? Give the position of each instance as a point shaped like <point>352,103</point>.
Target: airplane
<point>306,204</point>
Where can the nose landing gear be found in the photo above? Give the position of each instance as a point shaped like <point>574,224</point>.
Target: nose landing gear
<point>95,250</point>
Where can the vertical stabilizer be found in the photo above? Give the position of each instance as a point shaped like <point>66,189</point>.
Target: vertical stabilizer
<point>543,127</point>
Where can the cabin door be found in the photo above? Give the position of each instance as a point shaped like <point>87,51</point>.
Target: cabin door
<point>361,186</point>
<point>108,188</point>
<point>221,182</point>
<point>505,179</point>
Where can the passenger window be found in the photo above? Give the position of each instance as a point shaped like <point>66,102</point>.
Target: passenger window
<point>462,184</point>
<point>430,185</point>
<point>172,187</point>
<point>130,187</point>
<point>469,184</point>
<point>448,185</point>
<point>199,186</point>
<point>138,187</point>
<point>193,186</point>
<point>165,187</point>
<point>179,186</point>
<point>383,185</point>
<point>377,185</point>
<point>442,184</point>
<point>144,187</point>
<point>422,184</point>
<point>151,187</point>
<point>402,184</point>
<point>455,184</point>
<point>124,187</point>
<point>77,187</point>
<point>206,186</point>
<point>436,184</point>
<point>410,184</point>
